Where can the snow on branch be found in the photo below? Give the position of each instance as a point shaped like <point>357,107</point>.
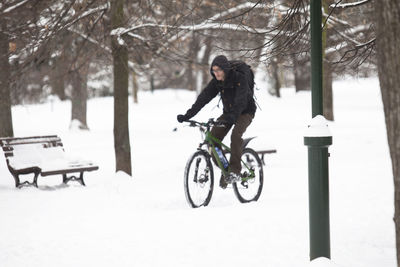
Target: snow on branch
<point>334,19</point>
<point>217,22</point>
<point>353,4</point>
<point>11,8</point>
<point>137,36</point>
<point>89,12</point>
<point>247,5</point>
<point>202,26</point>
<point>268,32</point>
<point>206,24</point>
<point>369,43</point>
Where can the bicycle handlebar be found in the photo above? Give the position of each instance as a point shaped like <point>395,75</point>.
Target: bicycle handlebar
<point>210,122</point>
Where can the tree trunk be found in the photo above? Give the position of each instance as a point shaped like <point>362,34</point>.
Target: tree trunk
<point>6,128</point>
<point>275,81</point>
<point>257,57</point>
<point>327,91</point>
<point>152,83</point>
<point>121,109</point>
<point>191,70</point>
<point>135,87</point>
<point>387,18</point>
<point>204,62</point>
<point>327,72</point>
<point>302,78</point>
<point>57,78</point>
<point>79,97</point>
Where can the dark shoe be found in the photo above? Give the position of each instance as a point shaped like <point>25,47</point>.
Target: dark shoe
<point>233,178</point>
<point>222,182</point>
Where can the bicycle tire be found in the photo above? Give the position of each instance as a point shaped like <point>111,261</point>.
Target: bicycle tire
<point>202,181</point>
<point>256,184</point>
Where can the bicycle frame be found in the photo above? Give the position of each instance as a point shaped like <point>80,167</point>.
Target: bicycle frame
<point>199,179</point>
<point>211,142</point>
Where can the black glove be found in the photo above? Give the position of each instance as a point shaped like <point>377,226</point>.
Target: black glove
<point>181,118</point>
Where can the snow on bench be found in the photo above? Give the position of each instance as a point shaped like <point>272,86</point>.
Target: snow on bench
<point>42,155</point>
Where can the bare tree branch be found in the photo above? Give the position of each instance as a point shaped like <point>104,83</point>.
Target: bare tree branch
<point>353,4</point>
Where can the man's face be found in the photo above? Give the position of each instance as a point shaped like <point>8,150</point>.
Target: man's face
<point>219,73</point>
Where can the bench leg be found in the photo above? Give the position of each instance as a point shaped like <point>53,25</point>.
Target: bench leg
<point>74,178</point>
<point>81,179</point>
<point>262,159</point>
<point>35,179</point>
<point>18,183</point>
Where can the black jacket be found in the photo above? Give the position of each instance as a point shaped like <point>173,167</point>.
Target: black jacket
<point>234,91</point>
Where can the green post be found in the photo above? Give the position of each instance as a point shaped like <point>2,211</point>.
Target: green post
<point>316,57</point>
<point>318,139</point>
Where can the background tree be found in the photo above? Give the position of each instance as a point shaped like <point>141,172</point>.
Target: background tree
<point>344,26</point>
<point>387,19</point>
<point>6,128</point>
<point>121,76</point>
<point>28,27</point>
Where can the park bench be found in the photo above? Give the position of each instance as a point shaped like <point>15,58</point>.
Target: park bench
<point>263,152</point>
<point>42,155</point>
<point>260,152</point>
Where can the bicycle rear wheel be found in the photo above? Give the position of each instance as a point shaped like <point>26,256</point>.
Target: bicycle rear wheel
<point>250,189</point>
<point>199,179</point>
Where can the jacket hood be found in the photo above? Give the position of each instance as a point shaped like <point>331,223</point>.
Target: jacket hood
<point>222,62</point>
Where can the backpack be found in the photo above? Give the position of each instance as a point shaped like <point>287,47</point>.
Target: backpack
<point>246,70</point>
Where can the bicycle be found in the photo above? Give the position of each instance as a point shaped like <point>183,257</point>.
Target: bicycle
<point>199,172</point>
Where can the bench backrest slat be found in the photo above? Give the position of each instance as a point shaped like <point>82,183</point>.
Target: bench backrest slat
<point>9,143</point>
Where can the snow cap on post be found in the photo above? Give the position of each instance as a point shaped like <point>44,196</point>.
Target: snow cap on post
<point>318,127</point>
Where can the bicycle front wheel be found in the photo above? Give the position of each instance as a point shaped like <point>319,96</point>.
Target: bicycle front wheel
<point>199,179</point>
<point>249,189</point>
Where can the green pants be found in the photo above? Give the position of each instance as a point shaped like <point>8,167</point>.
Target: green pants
<point>239,128</point>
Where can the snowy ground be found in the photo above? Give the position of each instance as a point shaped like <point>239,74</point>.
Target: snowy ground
<point>145,221</point>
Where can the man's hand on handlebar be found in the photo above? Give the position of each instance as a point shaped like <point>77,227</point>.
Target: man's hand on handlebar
<point>181,118</point>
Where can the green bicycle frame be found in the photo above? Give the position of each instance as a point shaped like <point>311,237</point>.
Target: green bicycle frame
<point>212,140</point>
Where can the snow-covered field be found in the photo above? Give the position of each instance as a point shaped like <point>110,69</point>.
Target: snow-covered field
<point>117,220</point>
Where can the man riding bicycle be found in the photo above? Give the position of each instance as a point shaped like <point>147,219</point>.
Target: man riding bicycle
<point>235,89</point>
